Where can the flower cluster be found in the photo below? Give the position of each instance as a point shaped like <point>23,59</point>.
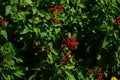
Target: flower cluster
<point>2,22</point>
<point>70,42</point>
<point>98,74</point>
<point>65,59</point>
<point>57,9</point>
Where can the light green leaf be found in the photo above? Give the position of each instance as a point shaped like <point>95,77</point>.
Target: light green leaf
<point>70,76</point>
<point>19,73</point>
<point>34,10</point>
<point>43,34</point>
<point>50,58</point>
<point>98,57</point>
<point>70,66</point>
<point>54,51</point>
<point>57,30</point>
<point>4,34</point>
<point>7,9</point>
<point>26,30</point>
<point>6,77</point>
<point>29,2</point>
<point>102,2</point>
<point>18,59</point>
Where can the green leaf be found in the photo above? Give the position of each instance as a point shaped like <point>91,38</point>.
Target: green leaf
<point>4,34</point>
<point>70,75</point>
<point>54,51</point>
<point>50,58</point>
<point>43,34</point>
<point>19,73</point>
<point>80,75</point>
<point>32,76</point>
<point>36,30</point>
<point>28,2</point>
<point>70,66</point>
<point>102,2</point>
<point>105,43</point>
<point>6,77</point>
<point>118,1</point>
<point>26,30</point>
<point>68,1</point>
<point>18,59</point>
<point>7,10</point>
<point>98,57</point>
<point>37,20</point>
<point>34,10</point>
<point>57,30</point>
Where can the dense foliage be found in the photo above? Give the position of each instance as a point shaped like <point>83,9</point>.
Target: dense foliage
<point>59,39</point>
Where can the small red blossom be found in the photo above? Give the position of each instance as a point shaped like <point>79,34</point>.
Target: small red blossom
<point>57,21</point>
<point>2,22</point>
<point>118,20</point>
<point>90,71</point>
<point>60,7</point>
<point>50,8</point>
<point>100,76</point>
<point>73,43</point>
<point>68,56</point>
<point>68,42</point>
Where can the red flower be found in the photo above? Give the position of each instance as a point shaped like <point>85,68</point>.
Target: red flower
<point>2,22</point>
<point>90,71</point>
<point>51,9</point>
<point>118,20</point>
<point>57,21</point>
<point>68,42</point>
<point>100,76</point>
<point>60,7</point>
<point>68,56</point>
<point>73,43</point>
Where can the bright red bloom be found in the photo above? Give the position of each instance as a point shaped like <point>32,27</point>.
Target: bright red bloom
<point>118,20</point>
<point>2,22</point>
<point>51,9</point>
<point>57,21</point>
<point>73,43</point>
<point>60,7</point>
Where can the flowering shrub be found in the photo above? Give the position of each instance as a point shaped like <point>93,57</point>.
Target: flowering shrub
<point>59,39</point>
